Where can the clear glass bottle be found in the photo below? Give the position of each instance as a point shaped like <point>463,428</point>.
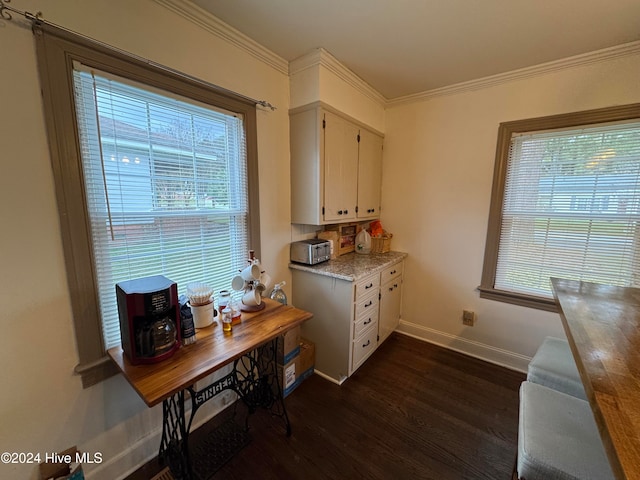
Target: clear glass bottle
<point>278,294</point>
<point>226,320</point>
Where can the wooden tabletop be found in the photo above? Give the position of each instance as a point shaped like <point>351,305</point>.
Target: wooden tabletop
<point>602,324</point>
<point>212,351</point>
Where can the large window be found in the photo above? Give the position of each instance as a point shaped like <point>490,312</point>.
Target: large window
<point>155,173</point>
<point>566,203</point>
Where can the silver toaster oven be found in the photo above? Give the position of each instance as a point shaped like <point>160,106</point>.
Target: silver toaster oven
<point>310,251</point>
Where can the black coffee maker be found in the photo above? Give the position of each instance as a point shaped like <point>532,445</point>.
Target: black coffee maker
<point>149,318</point>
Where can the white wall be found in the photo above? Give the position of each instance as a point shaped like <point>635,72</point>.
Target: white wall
<point>437,174</point>
<point>43,407</point>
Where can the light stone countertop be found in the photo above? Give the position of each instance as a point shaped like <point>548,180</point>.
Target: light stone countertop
<point>352,266</point>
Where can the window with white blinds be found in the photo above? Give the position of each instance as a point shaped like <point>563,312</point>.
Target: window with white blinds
<point>570,208</point>
<point>165,182</point>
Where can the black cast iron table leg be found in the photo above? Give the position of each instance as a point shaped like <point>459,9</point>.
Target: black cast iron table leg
<point>258,381</point>
<point>270,372</point>
<point>174,447</point>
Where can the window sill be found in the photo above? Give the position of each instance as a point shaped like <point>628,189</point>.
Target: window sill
<point>96,372</point>
<point>520,299</point>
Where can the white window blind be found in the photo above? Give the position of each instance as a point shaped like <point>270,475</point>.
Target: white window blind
<point>166,187</point>
<point>571,208</point>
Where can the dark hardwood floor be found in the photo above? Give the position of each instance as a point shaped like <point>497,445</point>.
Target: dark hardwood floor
<point>412,411</point>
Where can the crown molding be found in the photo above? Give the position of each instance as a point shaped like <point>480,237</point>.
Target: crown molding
<point>605,54</point>
<point>322,57</point>
<point>217,27</point>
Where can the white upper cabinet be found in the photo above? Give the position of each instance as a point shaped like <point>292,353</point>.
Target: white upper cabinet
<point>336,166</point>
<point>369,174</point>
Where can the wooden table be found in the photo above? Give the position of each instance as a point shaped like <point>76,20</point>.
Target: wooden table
<point>602,324</point>
<point>251,348</point>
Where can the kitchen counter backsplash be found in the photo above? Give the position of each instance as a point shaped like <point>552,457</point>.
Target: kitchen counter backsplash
<point>352,266</point>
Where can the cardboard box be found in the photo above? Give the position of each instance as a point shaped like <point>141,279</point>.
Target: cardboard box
<point>299,368</point>
<point>63,466</point>
<point>288,348</point>
<point>346,236</point>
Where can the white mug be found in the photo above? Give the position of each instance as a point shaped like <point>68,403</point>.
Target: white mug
<point>250,273</point>
<point>238,283</point>
<point>251,298</point>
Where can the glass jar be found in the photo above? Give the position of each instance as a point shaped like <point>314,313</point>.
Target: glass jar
<point>236,313</point>
<point>224,298</point>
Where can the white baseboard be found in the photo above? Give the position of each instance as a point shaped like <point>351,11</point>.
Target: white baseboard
<point>488,353</point>
<point>143,451</point>
<point>327,377</point>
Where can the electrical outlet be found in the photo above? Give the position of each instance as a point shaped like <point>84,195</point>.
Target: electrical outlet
<point>468,317</point>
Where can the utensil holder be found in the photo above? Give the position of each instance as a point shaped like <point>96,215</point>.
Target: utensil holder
<point>202,315</point>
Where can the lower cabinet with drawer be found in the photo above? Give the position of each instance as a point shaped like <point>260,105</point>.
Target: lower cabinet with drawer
<point>350,318</point>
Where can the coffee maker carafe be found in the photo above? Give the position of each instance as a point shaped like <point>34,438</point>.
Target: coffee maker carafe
<point>149,318</point>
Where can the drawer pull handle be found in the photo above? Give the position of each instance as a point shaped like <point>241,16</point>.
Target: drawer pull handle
<point>369,286</point>
<point>367,322</point>
<point>339,212</point>
<point>391,289</point>
<point>368,304</point>
<point>395,285</point>
<point>392,272</point>
<point>366,344</point>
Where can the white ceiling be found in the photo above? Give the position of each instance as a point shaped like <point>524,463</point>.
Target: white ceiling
<point>403,47</point>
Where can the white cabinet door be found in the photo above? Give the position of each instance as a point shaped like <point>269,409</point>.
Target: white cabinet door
<point>390,303</point>
<point>340,169</point>
<point>307,167</point>
<point>369,174</point>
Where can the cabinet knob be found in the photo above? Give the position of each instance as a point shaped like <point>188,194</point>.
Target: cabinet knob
<point>346,212</point>
<point>392,273</point>
<point>339,212</point>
